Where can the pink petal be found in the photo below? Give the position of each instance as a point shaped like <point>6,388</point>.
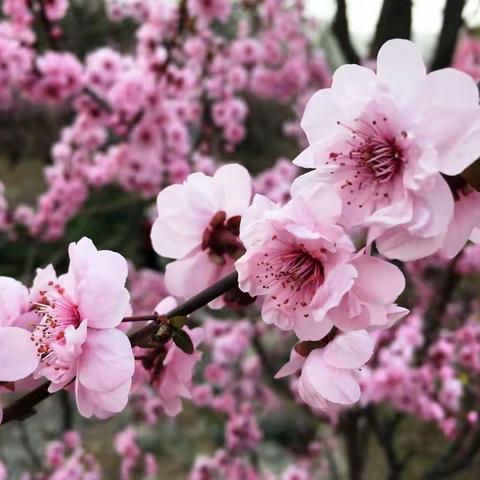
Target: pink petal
<point>82,255</point>
<point>378,281</point>
<point>177,229</point>
<point>349,350</point>
<point>475,236</point>
<point>353,83</point>
<point>234,186</point>
<point>398,243</point>
<point>106,361</point>
<point>320,116</point>
<point>293,365</point>
<point>337,283</point>
<point>18,354</point>
<point>167,304</point>
<point>465,218</point>
<point>251,229</point>
<point>13,301</point>
<point>400,66</point>
<point>182,278</point>
<point>332,384</point>
<point>101,404</point>
<point>272,315</point>
<point>102,302</point>
<point>306,328</point>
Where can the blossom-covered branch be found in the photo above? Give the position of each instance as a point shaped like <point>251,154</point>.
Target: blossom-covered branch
<point>24,406</point>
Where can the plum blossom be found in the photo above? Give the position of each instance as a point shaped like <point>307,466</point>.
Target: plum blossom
<point>328,379</point>
<point>389,144</point>
<point>308,269</point>
<point>176,377</point>
<point>198,225</point>
<point>18,356</point>
<point>76,338</point>
<point>209,10</point>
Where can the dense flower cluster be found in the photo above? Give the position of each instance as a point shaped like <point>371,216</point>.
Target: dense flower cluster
<point>175,104</point>
<point>352,267</point>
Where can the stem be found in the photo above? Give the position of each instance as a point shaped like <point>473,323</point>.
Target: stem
<point>452,22</point>
<point>25,406</point>
<point>141,318</point>
<point>395,21</point>
<point>342,33</point>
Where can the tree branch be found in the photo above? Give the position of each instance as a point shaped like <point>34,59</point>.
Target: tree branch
<point>342,34</point>
<point>24,407</point>
<point>395,21</point>
<point>452,22</point>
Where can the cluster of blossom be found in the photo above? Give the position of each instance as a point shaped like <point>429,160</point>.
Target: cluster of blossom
<point>145,119</point>
<point>220,466</point>
<point>231,386</point>
<point>467,56</point>
<point>378,169</point>
<point>66,459</point>
<point>133,461</point>
<point>65,329</point>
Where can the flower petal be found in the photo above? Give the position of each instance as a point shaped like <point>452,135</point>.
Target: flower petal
<point>400,66</point>
<point>18,354</point>
<point>106,361</point>
<point>378,281</point>
<point>234,187</point>
<point>349,350</point>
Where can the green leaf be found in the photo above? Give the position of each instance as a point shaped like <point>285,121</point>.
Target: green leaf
<point>177,322</point>
<point>183,341</point>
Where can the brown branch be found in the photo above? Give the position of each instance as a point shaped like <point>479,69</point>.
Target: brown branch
<point>342,33</point>
<point>452,22</point>
<point>24,407</point>
<point>395,21</point>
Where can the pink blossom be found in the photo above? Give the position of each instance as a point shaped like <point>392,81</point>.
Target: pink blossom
<point>307,268</point>
<point>18,355</point>
<point>328,377</point>
<point>383,143</point>
<point>197,224</point>
<point>76,336</point>
<point>467,56</point>
<point>208,10</point>
<point>176,377</point>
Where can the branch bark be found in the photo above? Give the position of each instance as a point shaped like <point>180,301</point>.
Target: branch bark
<point>452,22</point>
<point>342,33</point>
<point>395,21</point>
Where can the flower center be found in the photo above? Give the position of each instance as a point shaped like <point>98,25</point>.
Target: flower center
<point>369,160</point>
<point>57,313</point>
<point>374,150</point>
<point>291,273</point>
<point>221,238</point>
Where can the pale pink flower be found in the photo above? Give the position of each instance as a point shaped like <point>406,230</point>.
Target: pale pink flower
<point>328,377</point>
<point>18,355</point>
<point>175,380</point>
<point>209,10</point>
<point>385,141</point>
<point>76,336</point>
<point>467,56</point>
<point>307,268</point>
<point>198,225</point>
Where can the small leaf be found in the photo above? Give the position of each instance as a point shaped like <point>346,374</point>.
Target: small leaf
<point>183,341</point>
<point>178,321</point>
